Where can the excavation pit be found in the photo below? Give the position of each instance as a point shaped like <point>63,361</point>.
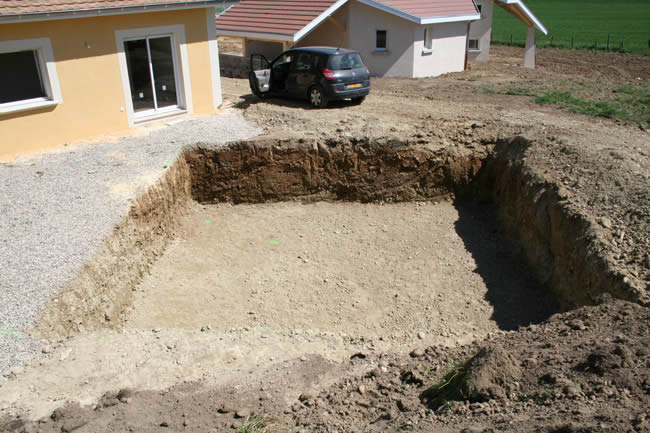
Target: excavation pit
<point>386,272</point>
<point>269,257</point>
<point>379,239</point>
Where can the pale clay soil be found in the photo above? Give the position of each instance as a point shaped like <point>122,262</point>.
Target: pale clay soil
<point>378,271</point>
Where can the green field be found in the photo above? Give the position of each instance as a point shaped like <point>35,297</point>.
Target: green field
<point>581,24</point>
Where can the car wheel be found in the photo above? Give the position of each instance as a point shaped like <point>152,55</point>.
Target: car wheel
<point>317,97</point>
<point>357,101</point>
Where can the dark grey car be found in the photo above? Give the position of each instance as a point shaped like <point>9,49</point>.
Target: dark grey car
<point>318,74</point>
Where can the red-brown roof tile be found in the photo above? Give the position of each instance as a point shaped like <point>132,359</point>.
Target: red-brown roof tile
<point>283,17</point>
<point>23,7</point>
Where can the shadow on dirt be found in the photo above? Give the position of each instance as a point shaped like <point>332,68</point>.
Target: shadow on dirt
<point>246,101</point>
<point>518,300</point>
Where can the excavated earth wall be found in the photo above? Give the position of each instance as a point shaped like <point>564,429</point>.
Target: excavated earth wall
<point>562,245</point>
<point>103,291</point>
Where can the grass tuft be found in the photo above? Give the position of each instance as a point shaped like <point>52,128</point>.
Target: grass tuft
<point>576,105</point>
<point>538,397</point>
<point>518,91</point>
<point>454,386</point>
<point>255,424</point>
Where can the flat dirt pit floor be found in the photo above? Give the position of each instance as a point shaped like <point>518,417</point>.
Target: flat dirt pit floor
<point>380,272</point>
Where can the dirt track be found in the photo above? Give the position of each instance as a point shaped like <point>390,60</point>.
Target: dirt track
<point>584,371</point>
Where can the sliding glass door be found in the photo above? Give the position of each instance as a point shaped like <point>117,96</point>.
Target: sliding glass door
<point>152,69</point>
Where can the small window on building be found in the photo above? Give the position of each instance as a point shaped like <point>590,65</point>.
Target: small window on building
<point>20,77</point>
<point>26,82</point>
<point>428,38</point>
<point>473,45</point>
<point>380,43</point>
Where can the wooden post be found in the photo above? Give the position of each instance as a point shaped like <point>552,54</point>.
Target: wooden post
<point>529,53</point>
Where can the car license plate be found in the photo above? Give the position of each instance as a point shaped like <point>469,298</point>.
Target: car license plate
<point>352,86</point>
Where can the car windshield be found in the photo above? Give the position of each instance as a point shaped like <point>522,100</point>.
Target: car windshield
<point>345,61</point>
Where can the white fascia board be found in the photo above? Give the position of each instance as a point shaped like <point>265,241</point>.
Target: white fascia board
<point>51,16</point>
<point>316,21</point>
<point>451,19</point>
<point>391,10</point>
<point>255,35</point>
<point>528,13</point>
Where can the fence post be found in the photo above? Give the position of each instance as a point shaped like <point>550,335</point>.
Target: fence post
<point>511,39</point>
<point>572,41</point>
<point>608,35</point>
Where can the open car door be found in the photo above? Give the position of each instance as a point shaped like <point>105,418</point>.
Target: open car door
<point>260,75</point>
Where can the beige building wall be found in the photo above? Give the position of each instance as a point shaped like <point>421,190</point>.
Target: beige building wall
<point>332,32</point>
<point>482,30</point>
<point>90,78</point>
<point>447,53</point>
<point>269,49</point>
<point>397,61</point>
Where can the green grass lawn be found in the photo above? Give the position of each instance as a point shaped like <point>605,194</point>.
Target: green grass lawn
<point>626,102</point>
<point>588,23</point>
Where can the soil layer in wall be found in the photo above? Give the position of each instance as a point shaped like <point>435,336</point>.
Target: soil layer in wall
<point>102,292</point>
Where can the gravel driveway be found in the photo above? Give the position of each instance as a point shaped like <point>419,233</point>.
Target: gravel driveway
<point>57,208</point>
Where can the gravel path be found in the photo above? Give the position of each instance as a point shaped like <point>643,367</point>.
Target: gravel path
<point>57,208</point>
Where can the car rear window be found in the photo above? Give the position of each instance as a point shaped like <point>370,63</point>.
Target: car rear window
<point>345,61</point>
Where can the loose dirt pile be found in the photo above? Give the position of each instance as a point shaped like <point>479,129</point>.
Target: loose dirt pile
<point>587,370</point>
<point>583,371</point>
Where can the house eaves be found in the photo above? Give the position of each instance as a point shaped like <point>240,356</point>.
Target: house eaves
<point>97,12</point>
<point>523,9</point>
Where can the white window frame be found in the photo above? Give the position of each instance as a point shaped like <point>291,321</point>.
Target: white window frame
<point>49,78</point>
<point>181,70</point>
<point>383,49</point>
<point>478,45</point>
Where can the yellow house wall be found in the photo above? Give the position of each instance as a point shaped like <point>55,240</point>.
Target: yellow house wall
<point>90,78</point>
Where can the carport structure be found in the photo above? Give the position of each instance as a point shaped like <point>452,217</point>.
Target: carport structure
<point>519,10</point>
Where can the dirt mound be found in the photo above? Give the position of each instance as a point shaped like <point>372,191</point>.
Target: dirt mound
<point>490,374</point>
<point>493,371</point>
<point>589,368</point>
<point>549,371</point>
